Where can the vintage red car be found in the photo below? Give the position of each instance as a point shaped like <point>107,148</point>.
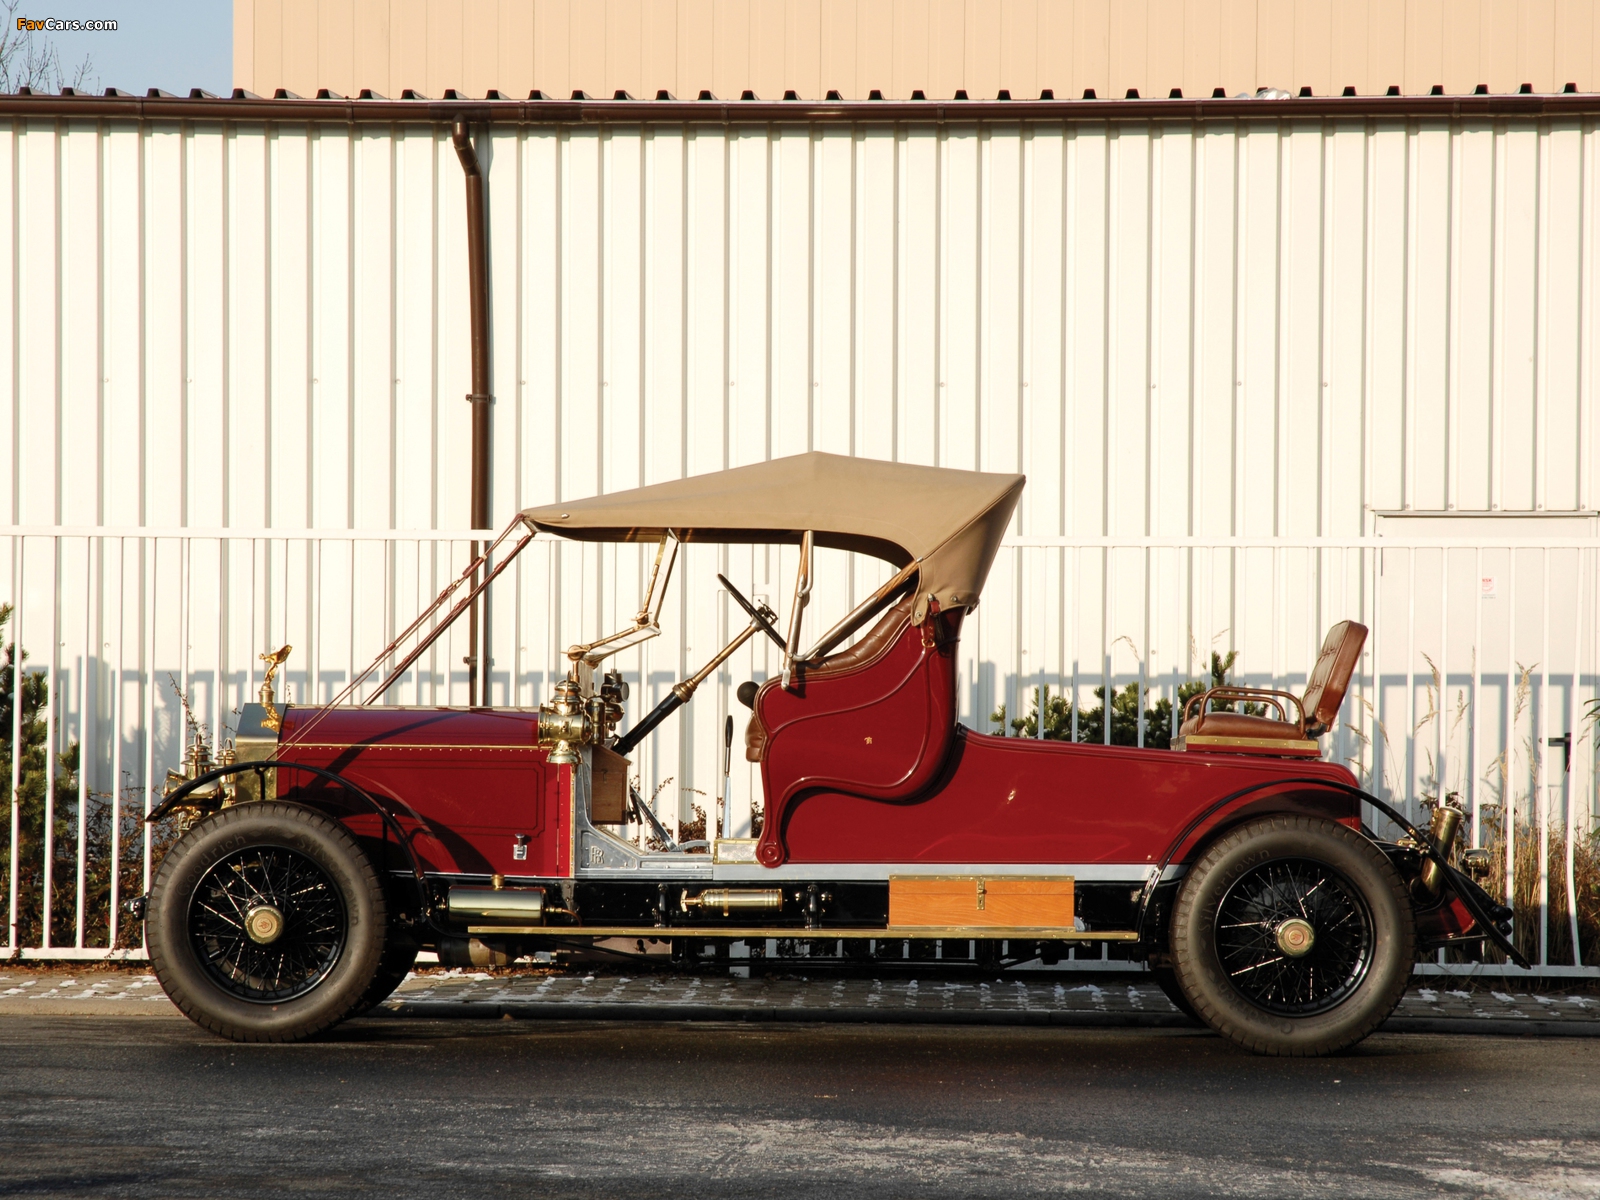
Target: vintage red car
<point>339,840</point>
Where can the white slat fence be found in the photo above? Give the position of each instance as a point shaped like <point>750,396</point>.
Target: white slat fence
<point>1428,712</point>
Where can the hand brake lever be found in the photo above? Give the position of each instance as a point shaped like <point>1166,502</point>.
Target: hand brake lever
<point>642,813</point>
<point>760,618</point>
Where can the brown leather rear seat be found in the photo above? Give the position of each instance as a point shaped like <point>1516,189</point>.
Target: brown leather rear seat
<point>1237,724</point>
<point>1315,711</point>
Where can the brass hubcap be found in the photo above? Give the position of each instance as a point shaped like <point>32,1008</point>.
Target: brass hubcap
<point>1296,937</point>
<point>264,924</point>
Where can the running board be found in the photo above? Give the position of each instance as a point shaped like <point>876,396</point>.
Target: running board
<point>917,932</point>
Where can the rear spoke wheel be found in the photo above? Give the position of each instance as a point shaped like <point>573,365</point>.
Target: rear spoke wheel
<point>1294,937</point>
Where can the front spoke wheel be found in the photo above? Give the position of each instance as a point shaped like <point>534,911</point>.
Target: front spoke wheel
<point>268,924</point>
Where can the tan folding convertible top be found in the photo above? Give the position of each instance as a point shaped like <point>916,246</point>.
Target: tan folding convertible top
<point>949,521</point>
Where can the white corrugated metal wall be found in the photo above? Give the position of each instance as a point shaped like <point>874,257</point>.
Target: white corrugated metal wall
<point>1195,338</point>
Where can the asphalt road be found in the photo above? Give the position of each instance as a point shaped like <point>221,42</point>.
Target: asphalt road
<point>116,1107</point>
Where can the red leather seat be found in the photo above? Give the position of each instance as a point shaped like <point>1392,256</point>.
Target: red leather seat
<point>868,650</point>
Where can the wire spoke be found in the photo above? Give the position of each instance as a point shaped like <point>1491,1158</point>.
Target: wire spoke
<point>1256,966</point>
<point>1264,971</point>
<point>311,940</point>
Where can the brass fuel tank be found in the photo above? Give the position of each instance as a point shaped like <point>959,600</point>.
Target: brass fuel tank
<point>509,906</point>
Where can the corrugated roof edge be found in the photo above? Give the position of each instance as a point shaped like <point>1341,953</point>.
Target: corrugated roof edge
<point>762,112</point>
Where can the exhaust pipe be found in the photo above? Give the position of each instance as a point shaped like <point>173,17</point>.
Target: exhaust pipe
<point>472,952</point>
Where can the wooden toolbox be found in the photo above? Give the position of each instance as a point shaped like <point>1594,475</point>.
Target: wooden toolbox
<point>980,902</point>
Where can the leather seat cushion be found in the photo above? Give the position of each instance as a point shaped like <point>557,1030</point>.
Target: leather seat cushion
<point>755,738</point>
<point>1230,724</point>
<point>878,639</point>
<point>1330,676</point>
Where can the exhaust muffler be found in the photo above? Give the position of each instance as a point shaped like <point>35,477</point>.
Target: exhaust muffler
<point>473,952</point>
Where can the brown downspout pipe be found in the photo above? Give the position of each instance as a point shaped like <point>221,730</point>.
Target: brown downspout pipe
<point>478,286</point>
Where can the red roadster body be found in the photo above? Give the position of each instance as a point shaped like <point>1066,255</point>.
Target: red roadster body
<point>1238,866</point>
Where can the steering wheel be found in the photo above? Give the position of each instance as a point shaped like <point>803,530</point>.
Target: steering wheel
<point>755,615</point>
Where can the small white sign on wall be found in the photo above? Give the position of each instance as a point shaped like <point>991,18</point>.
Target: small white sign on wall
<point>1487,587</point>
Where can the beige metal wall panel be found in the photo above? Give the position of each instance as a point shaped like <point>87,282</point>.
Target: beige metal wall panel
<point>898,46</point>
<point>1187,336</point>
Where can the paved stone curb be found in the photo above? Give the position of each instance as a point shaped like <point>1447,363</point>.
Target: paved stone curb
<point>84,994</point>
<point>901,1001</point>
<point>802,1016</point>
<point>1059,1001</point>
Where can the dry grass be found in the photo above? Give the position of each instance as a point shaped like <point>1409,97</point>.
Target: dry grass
<point>1516,772</point>
<point>693,830</point>
<point>1525,898</point>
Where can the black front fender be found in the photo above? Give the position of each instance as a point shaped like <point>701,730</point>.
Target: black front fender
<point>362,798</point>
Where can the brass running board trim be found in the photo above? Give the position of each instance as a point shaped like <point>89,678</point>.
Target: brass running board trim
<point>899,933</point>
<point>970,877</point>
<point>1284,746</point>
